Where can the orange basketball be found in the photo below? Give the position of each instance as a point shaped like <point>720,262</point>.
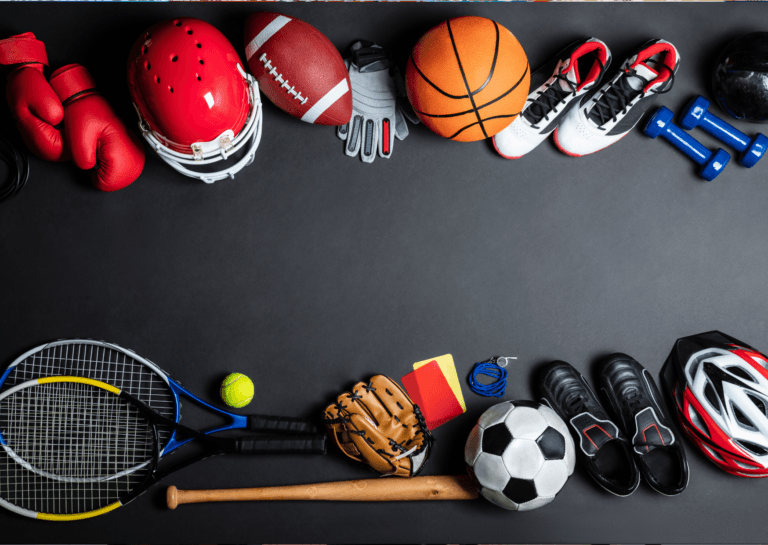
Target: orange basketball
<point>467,78</point>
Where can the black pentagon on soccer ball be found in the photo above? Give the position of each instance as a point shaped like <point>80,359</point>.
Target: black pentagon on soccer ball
<point>552,444</point>
<point>525,403</point>
<point>520,490</point>
<point>496,439</point>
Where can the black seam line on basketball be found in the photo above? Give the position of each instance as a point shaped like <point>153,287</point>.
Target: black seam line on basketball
<point>484,105</point>
<point>462,113</point>
<point>435,87</point>
<point>493,64</point>
<point>461,130</point>
<point>464,78</point>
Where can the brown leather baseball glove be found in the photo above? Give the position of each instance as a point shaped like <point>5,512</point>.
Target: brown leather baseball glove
<point>378,424</point>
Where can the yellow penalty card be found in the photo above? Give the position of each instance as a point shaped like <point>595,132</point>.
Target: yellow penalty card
<point>449,371</point>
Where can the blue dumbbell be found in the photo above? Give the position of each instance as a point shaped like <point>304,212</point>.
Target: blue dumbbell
<point>696,115</point>
<point>712,163</point>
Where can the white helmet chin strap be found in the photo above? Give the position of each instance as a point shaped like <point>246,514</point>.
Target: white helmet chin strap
<point>218,149</point>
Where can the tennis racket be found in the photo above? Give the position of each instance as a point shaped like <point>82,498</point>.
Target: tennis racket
<point>78,448</point>
<point>139,377</point>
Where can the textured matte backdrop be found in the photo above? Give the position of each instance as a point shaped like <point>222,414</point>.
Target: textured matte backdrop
<point>312,270</point>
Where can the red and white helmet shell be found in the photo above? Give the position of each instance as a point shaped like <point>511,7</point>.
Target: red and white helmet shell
<point>195,102</point>
<point>724,407</point>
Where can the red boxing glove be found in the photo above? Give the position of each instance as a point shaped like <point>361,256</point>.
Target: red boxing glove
<point>95,135</point>
<point>34,105</point>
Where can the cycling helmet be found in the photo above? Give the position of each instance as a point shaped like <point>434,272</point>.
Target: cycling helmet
<point>720,390</point>
<point>196,104</point>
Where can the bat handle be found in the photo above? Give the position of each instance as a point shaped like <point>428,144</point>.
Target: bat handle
<point>297,444</point>
<point>281,424</point>
<point>458,487</point>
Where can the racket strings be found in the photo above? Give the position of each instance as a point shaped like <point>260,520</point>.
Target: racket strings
<point>71,448</point>
<point>98,361</point>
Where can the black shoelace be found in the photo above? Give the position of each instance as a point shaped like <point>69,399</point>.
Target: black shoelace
<point>577,403</point>
<point>541,107</point>
<point>547,101</point>
<point>633,400</point>
<point>616,98</point>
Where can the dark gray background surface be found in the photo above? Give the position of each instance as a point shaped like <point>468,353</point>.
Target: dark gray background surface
<point>311,271</point>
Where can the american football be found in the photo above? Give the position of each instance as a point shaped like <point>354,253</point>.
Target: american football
<point>298,68</point>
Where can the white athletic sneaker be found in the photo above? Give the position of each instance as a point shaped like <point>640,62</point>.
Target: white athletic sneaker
<point>555,86</point>
<point>611,112</point>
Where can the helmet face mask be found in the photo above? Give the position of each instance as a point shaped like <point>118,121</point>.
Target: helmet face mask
<point>720,390</point>
<point>196,104</point>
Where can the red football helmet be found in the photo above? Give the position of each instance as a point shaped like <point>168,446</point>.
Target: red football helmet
<point>195,102</point>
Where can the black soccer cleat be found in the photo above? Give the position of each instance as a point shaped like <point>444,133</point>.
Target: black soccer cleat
<point>602,448</point>
<point>636,404</point>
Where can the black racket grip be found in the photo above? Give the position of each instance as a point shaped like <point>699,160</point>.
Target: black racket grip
<point>299,444</point>
<point>281,424</point>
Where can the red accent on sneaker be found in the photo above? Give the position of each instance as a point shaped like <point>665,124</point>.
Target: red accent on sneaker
<point>499,151</point>
<point>599,428</point>
<point>647,448</point>
<point>561,148</point>
<point>596,68</point>
<point>669,60</point>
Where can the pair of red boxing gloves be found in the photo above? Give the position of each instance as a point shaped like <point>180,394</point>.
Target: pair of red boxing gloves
<point>91,134</point>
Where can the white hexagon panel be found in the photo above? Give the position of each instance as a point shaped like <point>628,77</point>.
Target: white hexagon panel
<point>521,454</point>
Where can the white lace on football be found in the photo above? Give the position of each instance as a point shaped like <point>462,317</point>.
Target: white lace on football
<point>282,81</point>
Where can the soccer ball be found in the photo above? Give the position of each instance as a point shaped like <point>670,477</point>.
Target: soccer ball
<point>520,454</point>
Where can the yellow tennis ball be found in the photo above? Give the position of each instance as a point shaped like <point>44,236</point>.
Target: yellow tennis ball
<point>237,390</point>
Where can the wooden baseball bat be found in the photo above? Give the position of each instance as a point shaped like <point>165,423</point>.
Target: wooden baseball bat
<point>382,489</point>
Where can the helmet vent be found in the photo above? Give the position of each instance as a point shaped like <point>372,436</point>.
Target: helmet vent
<point>745,466</point>
<point>199,45</point>
<point>198,77</point>
<point>694,363</point>
<point>709,393</point>
<point>202,61</point>
<point>144,49</point>
<point>713,454</point>
<point>757,450</point>
<point>742,419</point>
<point>741,373</point>
<point>174,58</point>
<point>157,79</point>
<point>697,421</point>
<point>759,403</point>
<point>189,31</point>
<point>761,362</point>
<point>177,22</point>
<point>147,65</point>
<point>170,89</point>
<point>694,367</point>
